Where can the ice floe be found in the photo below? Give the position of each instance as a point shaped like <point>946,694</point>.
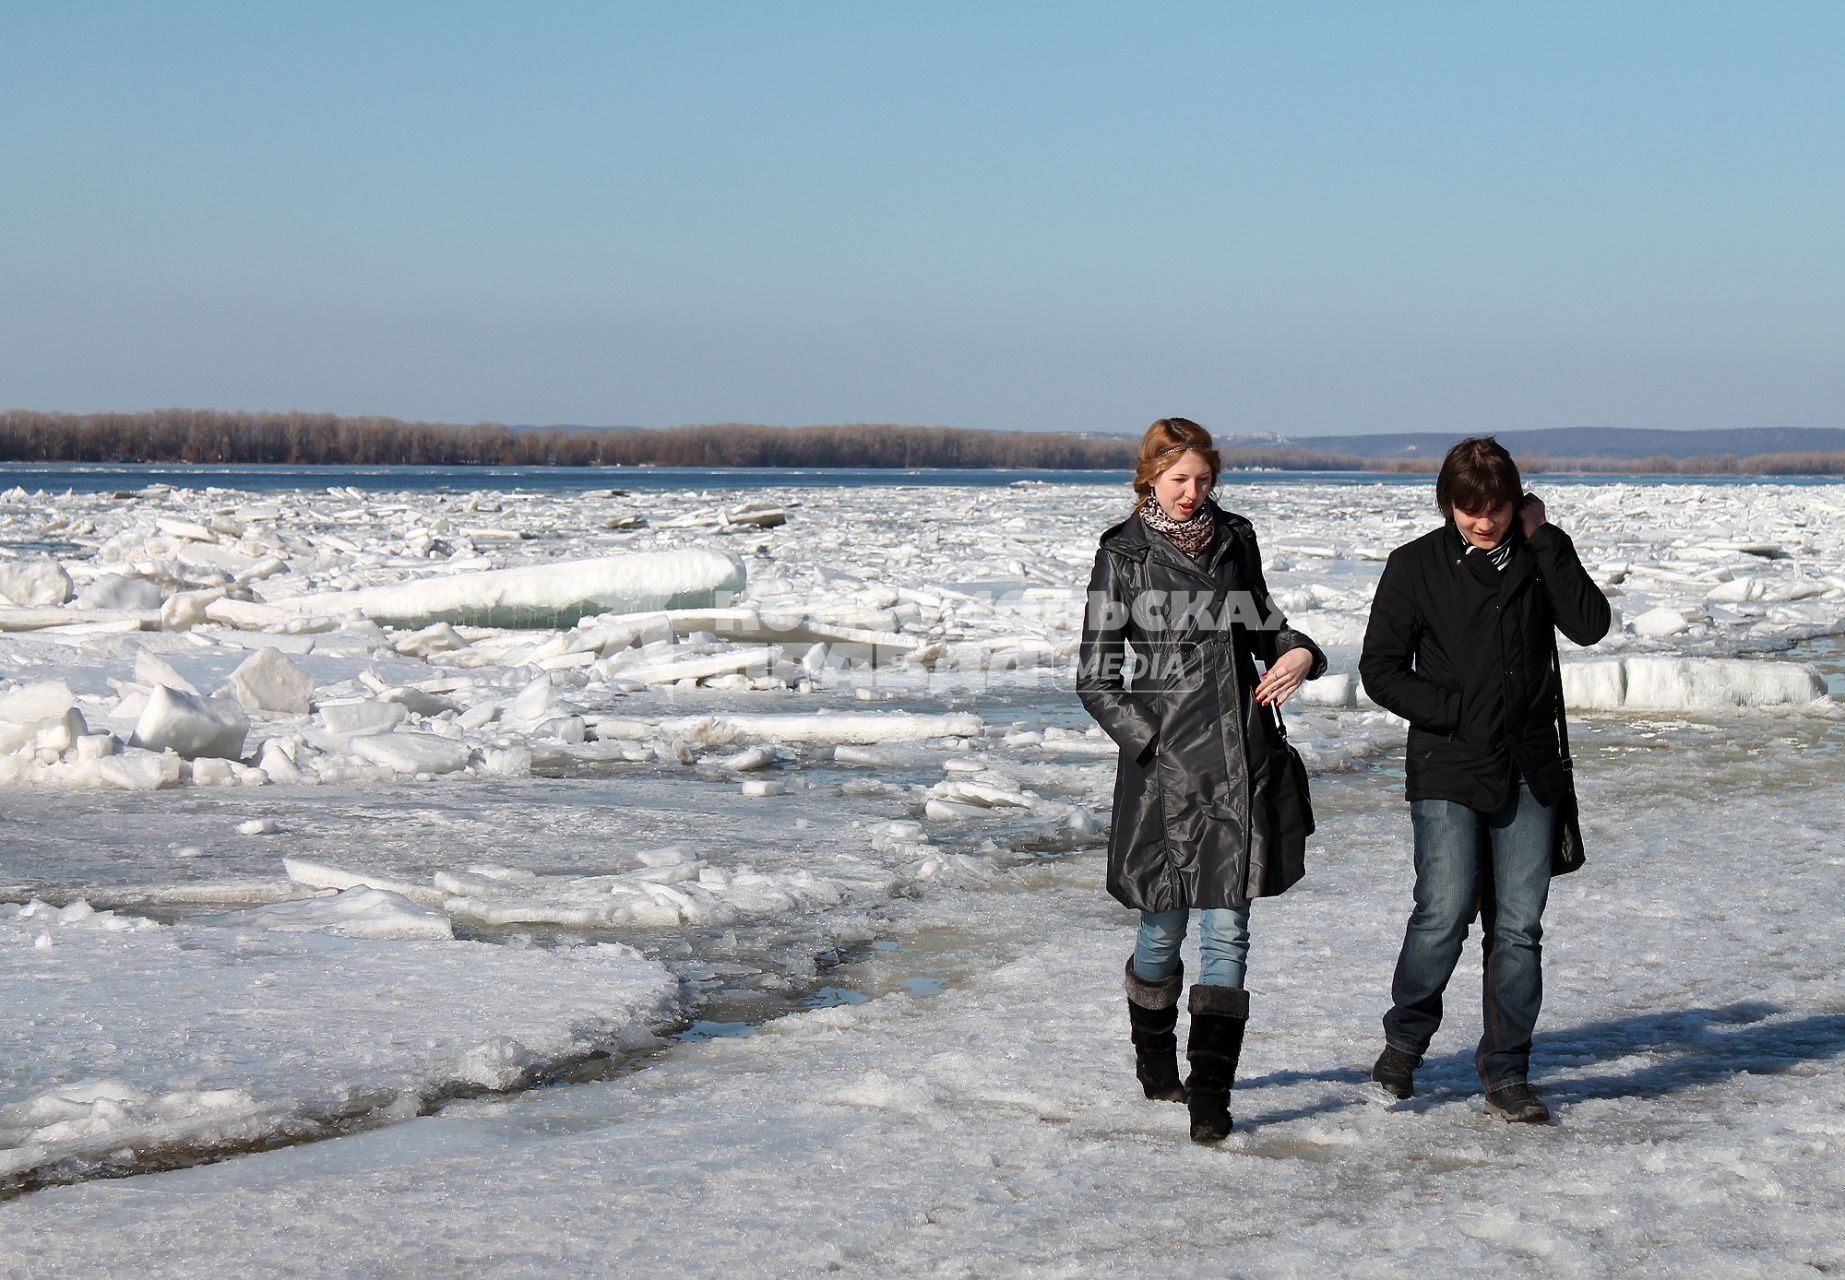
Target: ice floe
<point>538,594</point>
<point>1690,684</point>
<point>281,1022</point>
<point>354,913</point>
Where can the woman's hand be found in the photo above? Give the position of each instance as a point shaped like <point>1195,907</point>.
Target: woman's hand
<point>1280,681</point>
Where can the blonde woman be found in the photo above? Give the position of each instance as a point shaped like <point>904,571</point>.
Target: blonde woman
<point>1209,811</point>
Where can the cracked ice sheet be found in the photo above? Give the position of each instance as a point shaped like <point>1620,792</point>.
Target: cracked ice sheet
<point>121,1033</point>
<point>407,833</point>
<point>1691,1043</point>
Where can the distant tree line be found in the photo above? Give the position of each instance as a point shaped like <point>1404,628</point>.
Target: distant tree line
<point>198,435</point>
<point>204,436</point>
<point>207,436</point>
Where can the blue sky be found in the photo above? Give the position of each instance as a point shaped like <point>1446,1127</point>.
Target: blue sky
<point>1299,218</point>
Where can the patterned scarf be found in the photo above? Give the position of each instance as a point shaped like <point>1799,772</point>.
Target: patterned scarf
<point>1193,536</point>
<point>1499,555</point>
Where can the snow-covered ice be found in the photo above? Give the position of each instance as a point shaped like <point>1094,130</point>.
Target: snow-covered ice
<point>360,912</point>
<point>538,624</point>
<point>1691,684</point>
<point>976,1110</point>
<point>535,593</point>
<point>279,1022</point>
<point>810,799</point>
<point>188,725</point>
<point>268,681</point>
<point>34,581</point>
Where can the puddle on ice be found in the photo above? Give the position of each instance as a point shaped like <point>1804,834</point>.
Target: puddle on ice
<point>1765,752</point>
<point>44,548</point>
<point>918,966</point>
<point>1828,654</point>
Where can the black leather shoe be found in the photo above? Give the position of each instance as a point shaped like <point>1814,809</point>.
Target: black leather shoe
<point>1517,1104</point>
<point>1395,1072</point>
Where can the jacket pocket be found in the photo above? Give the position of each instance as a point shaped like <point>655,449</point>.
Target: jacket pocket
<point>1448,724</point>
<point>1429,747</point>
<point>1459,732</point>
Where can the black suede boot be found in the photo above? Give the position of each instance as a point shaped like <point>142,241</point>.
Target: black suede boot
<point>1219,1015</point>
<point>1153,1011</point>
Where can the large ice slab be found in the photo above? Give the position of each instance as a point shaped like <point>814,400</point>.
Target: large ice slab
<point>45,618</point>
<point>35,581</point>
<point>317,875</point>
<point>189,725</point>
<point>678,893</point>
<point>822,727</point>
<point>352,913</point>
<point>258,1033</point>
<point>29,705</point>
<point>116,591</point>
<point>268,681</point>
<point>1690,684</point>
<point>541,594</point>
<point>412,753</point>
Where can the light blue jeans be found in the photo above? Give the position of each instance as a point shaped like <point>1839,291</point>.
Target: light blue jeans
<point>1223,945</point>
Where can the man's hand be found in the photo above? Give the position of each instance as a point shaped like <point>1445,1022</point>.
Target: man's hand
<point>1281,680</point>
<point>1531,513</point>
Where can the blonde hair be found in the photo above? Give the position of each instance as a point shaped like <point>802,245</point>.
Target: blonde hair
<point>1165,443</point>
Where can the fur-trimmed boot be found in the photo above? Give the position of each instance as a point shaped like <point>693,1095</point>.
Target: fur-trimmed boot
<point>1153,1012</point>
<point>1219,1015</point>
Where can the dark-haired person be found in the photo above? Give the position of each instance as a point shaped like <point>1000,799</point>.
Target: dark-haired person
<point>1207,815</point>
<point>1459,644</point>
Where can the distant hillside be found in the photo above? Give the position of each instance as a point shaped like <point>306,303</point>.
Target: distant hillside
<point>1615,444</point>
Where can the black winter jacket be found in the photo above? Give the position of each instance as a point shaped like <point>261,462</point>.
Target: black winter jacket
<point>1207,812</point>
<point>1462,651</point>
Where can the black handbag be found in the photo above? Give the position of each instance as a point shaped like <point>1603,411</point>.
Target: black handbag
<point>1297,771</point>
<point>1566,851</point>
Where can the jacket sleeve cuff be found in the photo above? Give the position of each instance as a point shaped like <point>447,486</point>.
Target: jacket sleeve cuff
<point>1129,725</point>
<point>1547,540</point>
<point>1289,640</point>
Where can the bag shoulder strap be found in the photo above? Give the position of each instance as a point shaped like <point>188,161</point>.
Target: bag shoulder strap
<point>1280,724</point>
<point>1563,724</point>
<point>1556,672</point>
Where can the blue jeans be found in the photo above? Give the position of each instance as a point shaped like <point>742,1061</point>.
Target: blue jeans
<point>1223,945</point>
<point>1499,865</point>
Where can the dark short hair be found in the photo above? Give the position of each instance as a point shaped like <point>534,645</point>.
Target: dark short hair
<point>1477,475</point>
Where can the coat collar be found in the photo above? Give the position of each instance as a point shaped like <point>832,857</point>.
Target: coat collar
<point>1518,570</point>
<point>1132,538</point>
